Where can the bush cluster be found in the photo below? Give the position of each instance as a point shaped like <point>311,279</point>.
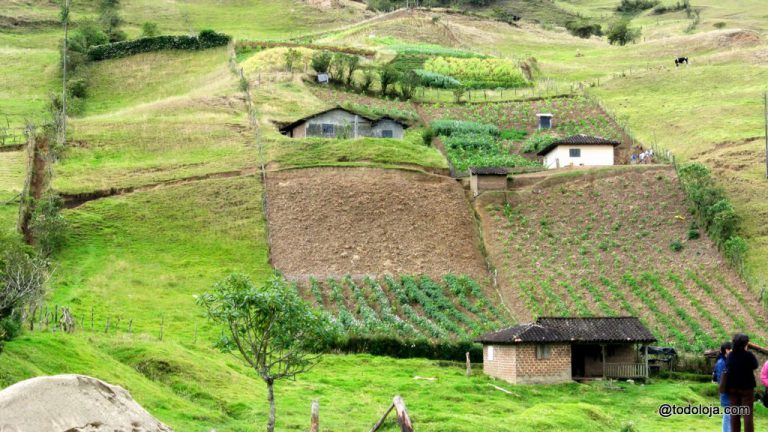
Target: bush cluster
<point>462,127</point>
<point>584,29</point>
<point>634,6</point>
<point>403,348</point>
<point>206,39</point>
<point>537,142</point>
<point>715,211</point>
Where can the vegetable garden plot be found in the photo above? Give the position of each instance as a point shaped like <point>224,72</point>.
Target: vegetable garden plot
<point>406,307</point>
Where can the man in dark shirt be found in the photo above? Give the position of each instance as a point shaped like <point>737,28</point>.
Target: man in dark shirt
<point>740,381</point>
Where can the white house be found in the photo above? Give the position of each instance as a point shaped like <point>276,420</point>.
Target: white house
<point>579,150</point>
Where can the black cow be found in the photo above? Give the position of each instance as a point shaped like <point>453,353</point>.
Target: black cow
<point>681,60</point>
<point>516,18</point>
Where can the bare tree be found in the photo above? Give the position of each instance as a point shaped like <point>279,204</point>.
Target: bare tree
<point>273,329</point>
<point>23,276</point>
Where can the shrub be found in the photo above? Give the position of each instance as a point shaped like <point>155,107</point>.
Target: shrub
<point>436,80</point>
<point>49,227</point>
<point>634,6</point>
<point>724,221</point>
<point>620,33</point>
<point>449,127</point>
<point>693,234</point>
<point>513,134</point>
<point>584,29</point>
<point>206,39</point>
<point>719,25</point>
<point>150,29</point>
<point>321,61</point>
<point>735,249</point>
<point>77,87</point>
<point>408,83</point>
<point>676,246</point>
<point>537,142</point>
<point>369,77</point>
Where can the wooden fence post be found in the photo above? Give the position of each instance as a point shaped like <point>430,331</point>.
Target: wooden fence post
<point>402,415</point>
<point>469,365</point>
<point>162,323</point>
<point>315,421</point>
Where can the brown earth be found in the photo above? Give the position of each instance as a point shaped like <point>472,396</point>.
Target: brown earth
<point>559,235</point>
<point>331,222</point>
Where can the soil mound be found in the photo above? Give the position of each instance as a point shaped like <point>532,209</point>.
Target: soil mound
<point>72,403</point>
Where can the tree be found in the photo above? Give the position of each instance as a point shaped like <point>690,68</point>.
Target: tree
<point>321,61</point>
<point>110,20</point>
<point>458,93</point>
<point>273,329</point>
<point>621,34</point>
<point>388,76</point>
<point>292,59</point>
<point>23,275</point>
<point>408,83</point>
<point>369,76</point>
<point>353,62</point>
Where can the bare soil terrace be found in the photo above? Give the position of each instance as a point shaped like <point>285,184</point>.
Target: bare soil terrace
<point>327,223</point>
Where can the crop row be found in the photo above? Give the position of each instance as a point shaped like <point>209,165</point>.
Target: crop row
<point>408,307</point>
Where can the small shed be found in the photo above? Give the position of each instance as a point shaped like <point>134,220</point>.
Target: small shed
<point>560,349</point>
<point>483,179</point>
<point>579,150</point>
<point>545,120</point>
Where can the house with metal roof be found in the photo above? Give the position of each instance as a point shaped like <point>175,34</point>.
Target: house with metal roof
<point>560,349</point>
<point>342,123</point>
<point>579,150</point>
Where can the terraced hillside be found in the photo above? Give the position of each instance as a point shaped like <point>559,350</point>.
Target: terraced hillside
<point>616,242</point>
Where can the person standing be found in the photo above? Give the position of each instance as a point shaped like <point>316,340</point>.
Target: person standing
<point>739,382</point>
<point>725,349</point>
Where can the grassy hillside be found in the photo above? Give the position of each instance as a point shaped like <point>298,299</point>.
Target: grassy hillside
<point>173,126</point>
<point>192,388</point>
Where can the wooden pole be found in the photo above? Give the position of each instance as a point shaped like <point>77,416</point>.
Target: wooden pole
<point>765,115</point>
<point>381,420</point>
<point>162,323</point>
<point>602,350</point>
<point>469,365</point>
<point>645,355</point>
<point>315,422</point>
<point>402,415</point>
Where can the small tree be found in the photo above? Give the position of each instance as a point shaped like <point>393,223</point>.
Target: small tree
<point>458,93</point>
<point>388,76</point>
<point>22,281</point>
<point>292,59</point>
<point>353,62</point>
<point>110,20</point>
<point>273,329</point>
<point>369,76</point>
<point>408,83</point>
<point>621,34</point>
<point>321,61</point>
<point>150,29</point>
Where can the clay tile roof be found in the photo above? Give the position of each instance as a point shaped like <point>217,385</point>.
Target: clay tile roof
<point>488,171</point>
<point>574,329</point>
<point>578,140</point>
<point>532,332</point>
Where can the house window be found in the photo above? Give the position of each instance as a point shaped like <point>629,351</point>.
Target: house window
<point>327,129</point>
<point>574,152</point>
<point>490,352</point>
<point>387,133</point>
<point>543,351</point>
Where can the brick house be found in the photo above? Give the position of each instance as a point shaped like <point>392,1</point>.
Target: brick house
<point>560,349</point>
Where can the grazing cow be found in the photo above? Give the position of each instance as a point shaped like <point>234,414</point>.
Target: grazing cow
<point>681,60</point>
<point>516,18</point>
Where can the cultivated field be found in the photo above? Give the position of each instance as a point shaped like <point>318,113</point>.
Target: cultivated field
<point>604,243</point>
<point>332,222</point>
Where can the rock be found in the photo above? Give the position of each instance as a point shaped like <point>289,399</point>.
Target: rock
<point>72,403</point>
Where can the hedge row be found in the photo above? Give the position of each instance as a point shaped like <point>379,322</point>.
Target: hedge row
<point>421,348</point>
<point>206,39</point>
<point>270,44</point>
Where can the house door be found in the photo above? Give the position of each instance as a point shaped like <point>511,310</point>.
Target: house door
<point>578,369</point>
